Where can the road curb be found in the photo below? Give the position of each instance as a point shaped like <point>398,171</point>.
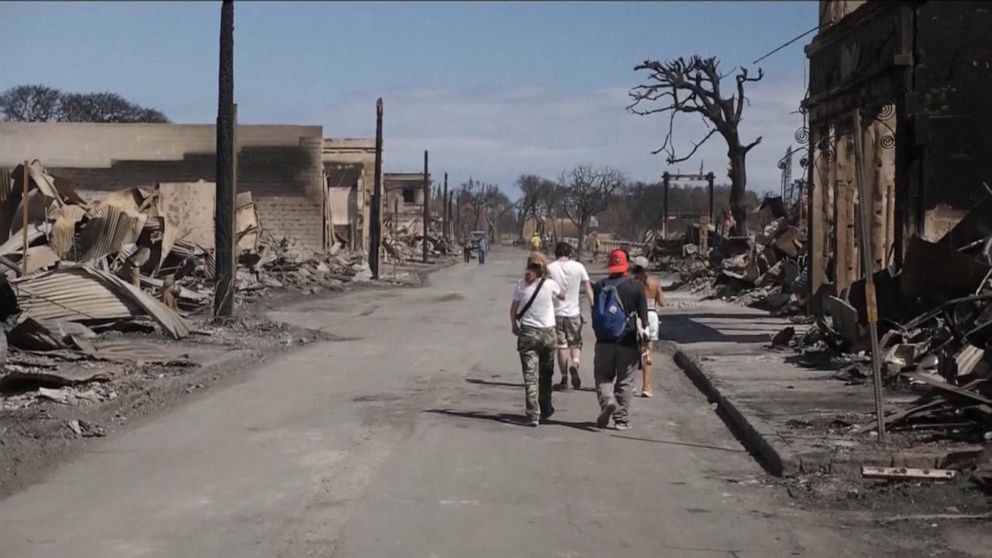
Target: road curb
<point>748,429</point>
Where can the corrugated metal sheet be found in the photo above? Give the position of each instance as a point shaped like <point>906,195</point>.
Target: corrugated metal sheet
<point>107,230</point>
<point>64,228</point>
<point>15,245</point>
<point>84,294</point>
<point>5,184</point>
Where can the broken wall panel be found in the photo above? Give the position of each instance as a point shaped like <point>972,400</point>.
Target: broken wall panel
<point>190,207</point>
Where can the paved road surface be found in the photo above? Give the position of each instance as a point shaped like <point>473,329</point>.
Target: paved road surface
<point>401,440</point>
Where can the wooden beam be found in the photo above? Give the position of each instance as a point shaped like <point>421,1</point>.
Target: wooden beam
<point>905,473</point>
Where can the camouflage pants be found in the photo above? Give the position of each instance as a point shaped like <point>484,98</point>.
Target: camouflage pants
<point>537,359</point>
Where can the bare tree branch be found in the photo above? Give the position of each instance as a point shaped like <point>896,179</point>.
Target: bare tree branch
<point>682,86</point>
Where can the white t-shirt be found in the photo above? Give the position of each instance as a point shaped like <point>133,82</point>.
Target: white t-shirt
<point>570,275</point>
<point>542,313</point>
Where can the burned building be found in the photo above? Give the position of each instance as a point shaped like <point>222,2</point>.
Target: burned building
<point>404,196</point>
<point>918,74</point>
<point>280,165</point>
<point>349,178</point>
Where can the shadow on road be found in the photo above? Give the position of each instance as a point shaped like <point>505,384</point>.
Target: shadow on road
<point>512,419</point>
<point>482,382</point>
<point>686,330</point>
<point>673,443</point>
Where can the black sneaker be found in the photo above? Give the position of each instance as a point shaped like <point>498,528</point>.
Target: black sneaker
<point>546,416</point>
<point>574,373</point>
<point>622,426</point>
<point>563,384</point>
<point>606,414</point>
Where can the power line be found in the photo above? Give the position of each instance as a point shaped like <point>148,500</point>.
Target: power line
<point>786,44</point>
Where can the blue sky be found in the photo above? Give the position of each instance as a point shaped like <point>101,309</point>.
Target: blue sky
<point>492,89</point>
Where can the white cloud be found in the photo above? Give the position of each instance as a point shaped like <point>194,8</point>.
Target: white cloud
<point>497,135</point>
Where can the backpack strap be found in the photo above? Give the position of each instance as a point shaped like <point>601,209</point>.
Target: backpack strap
<point>527,306</point>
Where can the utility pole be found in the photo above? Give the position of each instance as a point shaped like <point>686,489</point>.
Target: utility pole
<point>375,214</point>
<point>225,173</point>
<point>709,186</point>
<point>25,182</point>
<point>458,215</point>
<point>444,209</point>
<point>665,179</point>
<point>449,204</point>
<point>427,205</point>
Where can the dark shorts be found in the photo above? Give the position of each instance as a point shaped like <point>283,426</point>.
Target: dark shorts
<point>569,332</point>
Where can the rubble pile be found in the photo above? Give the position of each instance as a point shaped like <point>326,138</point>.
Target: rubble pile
<point>935,332</point>
<point>767,272</point>
<point>405,242</point>
<point>129,261</point>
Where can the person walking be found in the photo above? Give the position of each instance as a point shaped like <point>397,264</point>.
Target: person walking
<point>574,278</point>
<point>483,249</point>
<point>535,242</point>
<point>532,318</point>
<point>655,300</point>
<point>619,302</point>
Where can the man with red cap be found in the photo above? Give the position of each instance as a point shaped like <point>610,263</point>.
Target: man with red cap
<point>619,302</point>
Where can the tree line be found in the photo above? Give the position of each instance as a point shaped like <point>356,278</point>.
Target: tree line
<point>40,103</point>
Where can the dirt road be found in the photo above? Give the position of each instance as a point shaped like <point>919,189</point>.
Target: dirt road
<point>402,440</point>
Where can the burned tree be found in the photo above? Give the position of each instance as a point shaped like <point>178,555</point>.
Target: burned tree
<point>586,191</point>
<point>693,86</point>
<point>535,193</point>
<point>484,203</point>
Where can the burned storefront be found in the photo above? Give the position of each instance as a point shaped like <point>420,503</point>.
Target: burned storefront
<point>900,162</point>
<point>916,75</point>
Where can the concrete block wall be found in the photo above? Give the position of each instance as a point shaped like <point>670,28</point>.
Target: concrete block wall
<point>294,217</point>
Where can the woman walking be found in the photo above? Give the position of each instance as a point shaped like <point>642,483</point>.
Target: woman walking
<point>532,318</point>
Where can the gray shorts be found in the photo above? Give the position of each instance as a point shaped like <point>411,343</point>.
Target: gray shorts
<point>569,332</point>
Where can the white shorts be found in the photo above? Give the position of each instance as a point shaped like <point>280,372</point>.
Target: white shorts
<point>653,324</point>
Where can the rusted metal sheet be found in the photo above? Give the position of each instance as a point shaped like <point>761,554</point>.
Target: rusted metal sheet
<point>84,294</point>
<point>107,229</point>
<point>934,273</point>
<point>189,206</point>
<point>64,228</point>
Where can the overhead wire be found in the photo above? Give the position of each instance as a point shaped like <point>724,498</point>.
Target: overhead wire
<point>786,44</point>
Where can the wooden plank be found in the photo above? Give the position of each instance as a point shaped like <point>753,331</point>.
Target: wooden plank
<point>906,473</point>
<point>948,388</point>
<point>896,418</point>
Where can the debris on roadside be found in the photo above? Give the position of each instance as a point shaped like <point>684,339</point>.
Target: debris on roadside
<point>135,260</point>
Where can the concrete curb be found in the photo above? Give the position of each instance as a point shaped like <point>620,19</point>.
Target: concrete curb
<point>748,429</point>
<point>779,459</point>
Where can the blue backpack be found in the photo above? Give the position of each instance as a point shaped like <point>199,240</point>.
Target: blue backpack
<point>610,321</point>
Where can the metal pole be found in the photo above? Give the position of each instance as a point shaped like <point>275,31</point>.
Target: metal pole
<point>665,178</point>
<point>396,212</point>
<point>427,206</point>
<point>375,215</point>
<point>709,185</point>
<point>24,225</point>
<point>458,216</point>
<point>225,186</point>
<point>449,204</point>
<point>444,209</point>
<point>868,272</point>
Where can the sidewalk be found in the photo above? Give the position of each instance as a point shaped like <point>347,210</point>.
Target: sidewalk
<point>793,419</point>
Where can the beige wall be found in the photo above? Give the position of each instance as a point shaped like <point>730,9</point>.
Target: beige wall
<point>281,164</point>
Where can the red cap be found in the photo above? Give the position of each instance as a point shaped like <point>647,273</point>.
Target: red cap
<point>618,262</point>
